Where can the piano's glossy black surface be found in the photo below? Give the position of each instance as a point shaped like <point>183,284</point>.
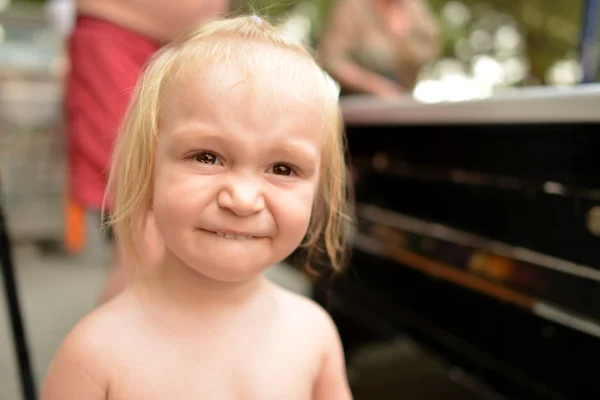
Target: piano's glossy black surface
<point>477,235</point>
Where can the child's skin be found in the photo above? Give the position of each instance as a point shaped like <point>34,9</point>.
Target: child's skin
<point>238,153</point>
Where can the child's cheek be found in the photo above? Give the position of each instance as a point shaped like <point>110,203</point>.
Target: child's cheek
<point>292,211</point>
<point>179,192</point>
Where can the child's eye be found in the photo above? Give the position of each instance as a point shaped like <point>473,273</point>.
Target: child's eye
<point>281,169</point>
<point>206,157</point>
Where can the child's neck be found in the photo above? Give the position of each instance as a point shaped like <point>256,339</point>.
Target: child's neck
<point>176,284</point>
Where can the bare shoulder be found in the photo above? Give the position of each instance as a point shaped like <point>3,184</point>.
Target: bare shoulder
<point>317,327</point>
<point>82,366</point>
<point>310,314</point>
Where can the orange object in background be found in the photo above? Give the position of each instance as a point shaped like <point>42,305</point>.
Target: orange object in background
<point>492,266</point>
<point>74,227</point>
<point>500,268</point>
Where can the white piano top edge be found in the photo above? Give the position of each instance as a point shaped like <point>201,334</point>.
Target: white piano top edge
<point>527,105</point>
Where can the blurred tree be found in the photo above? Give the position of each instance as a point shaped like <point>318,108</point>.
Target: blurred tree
<point>550,28</point>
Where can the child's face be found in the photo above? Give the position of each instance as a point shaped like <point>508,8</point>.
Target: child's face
<point>236,169</point>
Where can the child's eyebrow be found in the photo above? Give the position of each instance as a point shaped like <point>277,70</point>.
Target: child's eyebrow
<point>193,133</point>
<point>299,148</point>
<point>289,147</point>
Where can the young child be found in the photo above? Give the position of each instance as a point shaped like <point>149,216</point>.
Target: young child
<point>234,142</point>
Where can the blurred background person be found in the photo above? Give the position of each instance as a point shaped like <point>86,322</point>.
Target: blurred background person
<point>415,36</point>
<point>109,43</point>
<point>378,46</point>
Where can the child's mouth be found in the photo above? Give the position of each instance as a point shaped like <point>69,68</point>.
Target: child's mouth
<point>232,236</point>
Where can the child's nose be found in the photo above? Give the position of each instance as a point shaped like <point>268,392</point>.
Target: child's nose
<point>242,197</point>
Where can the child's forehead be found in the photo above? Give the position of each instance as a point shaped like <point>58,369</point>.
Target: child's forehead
<point>249,93</point>
<point>248,70</point>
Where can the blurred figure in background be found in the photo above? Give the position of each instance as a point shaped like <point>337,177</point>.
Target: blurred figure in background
<point>378,46</point>
<point>109,44</point>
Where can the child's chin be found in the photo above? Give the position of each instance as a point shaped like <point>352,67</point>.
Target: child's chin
<point>231,271</point>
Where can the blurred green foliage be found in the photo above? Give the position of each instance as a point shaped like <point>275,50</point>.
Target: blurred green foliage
<point>550,27</point>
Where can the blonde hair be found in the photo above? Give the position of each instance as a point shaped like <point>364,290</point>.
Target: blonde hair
<point>131,176</point>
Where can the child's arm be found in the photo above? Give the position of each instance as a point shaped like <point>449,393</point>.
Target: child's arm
<point>78,370</point>
<point>332,382</point>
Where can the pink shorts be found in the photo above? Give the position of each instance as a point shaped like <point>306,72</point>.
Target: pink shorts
<point>106,61</point>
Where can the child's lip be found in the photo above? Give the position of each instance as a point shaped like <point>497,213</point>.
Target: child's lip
<point>222,232</point>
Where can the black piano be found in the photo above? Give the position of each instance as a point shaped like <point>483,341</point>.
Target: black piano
<point>479,236</point>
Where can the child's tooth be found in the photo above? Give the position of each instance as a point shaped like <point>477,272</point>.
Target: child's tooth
<point>232,236</point>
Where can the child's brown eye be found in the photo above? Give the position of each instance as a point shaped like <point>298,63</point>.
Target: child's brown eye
<point>206,158</point>
<point>282,169</point>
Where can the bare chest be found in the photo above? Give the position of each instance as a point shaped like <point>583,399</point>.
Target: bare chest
<point>238,371</point>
